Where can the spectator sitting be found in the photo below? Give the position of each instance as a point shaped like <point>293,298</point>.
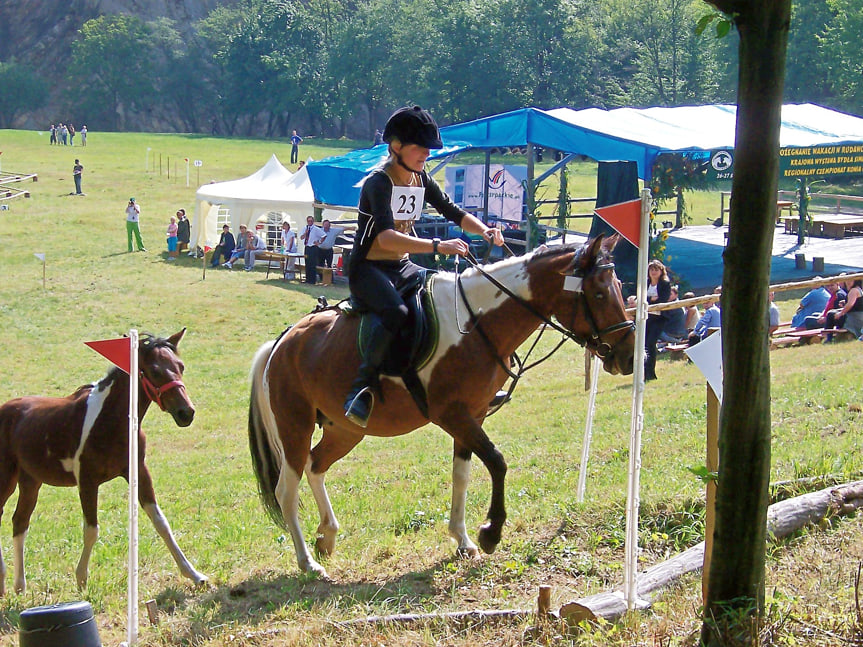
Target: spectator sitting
<point>772,315</point>
<point>239,250</point>
<point>812,303</point>
<point>675,321</point>
<point>254,244</point>
<point>712,318</point>
<point>224,247</point>
<point>852,311</point>
<point>835,302</point>
<point>692,313</point>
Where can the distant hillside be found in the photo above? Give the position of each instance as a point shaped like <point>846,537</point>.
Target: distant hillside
<point>40,32</point>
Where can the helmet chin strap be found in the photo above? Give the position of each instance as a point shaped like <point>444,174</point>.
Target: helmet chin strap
<point>402,164</point>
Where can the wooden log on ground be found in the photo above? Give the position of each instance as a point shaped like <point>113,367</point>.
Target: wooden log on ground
<point>783,519</point>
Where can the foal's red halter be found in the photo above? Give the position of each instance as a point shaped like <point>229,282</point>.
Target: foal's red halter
<point>155,392</point>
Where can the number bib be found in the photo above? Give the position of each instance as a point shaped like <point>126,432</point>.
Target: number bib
<point>406,204</point>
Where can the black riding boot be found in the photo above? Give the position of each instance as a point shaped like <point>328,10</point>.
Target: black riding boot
<point>361,399</point>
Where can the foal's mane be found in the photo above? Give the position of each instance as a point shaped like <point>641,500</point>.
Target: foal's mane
<point>146,342</point>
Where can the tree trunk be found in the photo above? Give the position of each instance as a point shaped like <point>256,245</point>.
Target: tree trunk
<point>736,586</point>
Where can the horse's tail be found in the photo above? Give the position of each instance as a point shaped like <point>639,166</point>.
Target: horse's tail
<point>267,453</point>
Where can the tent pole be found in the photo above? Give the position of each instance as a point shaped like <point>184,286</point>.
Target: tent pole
<point>531,190</point>
<point>485,187</point>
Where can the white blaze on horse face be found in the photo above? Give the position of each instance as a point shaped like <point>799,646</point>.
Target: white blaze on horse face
<point>482,295</point>
<point>95,402</point>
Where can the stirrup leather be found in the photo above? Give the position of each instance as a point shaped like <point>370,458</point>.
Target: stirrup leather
<point>355,416</point>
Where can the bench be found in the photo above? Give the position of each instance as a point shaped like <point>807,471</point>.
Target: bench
<point>819,334</point>
<point>827,226</point>
<point>326,274</point>
<point>280,258</point>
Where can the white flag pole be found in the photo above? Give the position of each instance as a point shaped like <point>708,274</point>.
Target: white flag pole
<point>588,428</point>
<point>630,583</point>
<point>132,617</point>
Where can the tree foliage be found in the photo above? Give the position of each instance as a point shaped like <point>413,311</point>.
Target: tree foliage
<point>21,89</point>
<point>339,67</point>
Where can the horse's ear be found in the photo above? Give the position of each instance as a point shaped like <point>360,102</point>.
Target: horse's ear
<point>592,250</point>
<point>610,243</point>
<point>176,337</point>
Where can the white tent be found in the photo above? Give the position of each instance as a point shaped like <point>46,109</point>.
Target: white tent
<point>268,196</point>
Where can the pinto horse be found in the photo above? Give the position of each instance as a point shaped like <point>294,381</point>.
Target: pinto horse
<point>484,315</point>
<point>82,440</point>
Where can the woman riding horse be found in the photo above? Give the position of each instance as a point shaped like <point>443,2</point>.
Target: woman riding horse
<point>391,199</point>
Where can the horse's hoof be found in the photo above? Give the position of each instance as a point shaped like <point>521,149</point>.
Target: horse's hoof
<point>316,570</point>
<point>489,537</point>
<point>467,552</point>
<point>324,546</point>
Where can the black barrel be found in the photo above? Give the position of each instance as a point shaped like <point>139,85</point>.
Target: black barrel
<point>70,624</point>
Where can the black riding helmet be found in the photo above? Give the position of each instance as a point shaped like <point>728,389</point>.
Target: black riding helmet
<point>413,125</point>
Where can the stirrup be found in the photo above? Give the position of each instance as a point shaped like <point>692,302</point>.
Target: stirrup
<point>361,417</point>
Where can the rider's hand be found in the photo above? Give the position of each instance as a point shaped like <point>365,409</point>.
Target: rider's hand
<point>453,246</point>
<point>495,235</point>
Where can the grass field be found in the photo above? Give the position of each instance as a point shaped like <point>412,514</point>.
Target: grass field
<point>391,496</point>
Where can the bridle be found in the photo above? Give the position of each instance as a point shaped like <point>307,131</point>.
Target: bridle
<point>154,392</point>
<point>596,342</point>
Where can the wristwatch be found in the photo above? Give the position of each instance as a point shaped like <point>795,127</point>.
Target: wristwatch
<point>435,243</point>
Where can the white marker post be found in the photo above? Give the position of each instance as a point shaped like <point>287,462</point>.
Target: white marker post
<point>41,257</point>
<point>132,616</point>
<point>147,160</point>
<point>630,581</point>
<point>187,172</point>
<point>588,428</point>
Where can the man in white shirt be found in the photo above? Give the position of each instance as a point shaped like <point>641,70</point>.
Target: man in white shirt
<point>312,237</point>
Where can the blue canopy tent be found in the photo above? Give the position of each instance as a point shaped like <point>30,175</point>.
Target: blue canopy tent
<point>638,135</point>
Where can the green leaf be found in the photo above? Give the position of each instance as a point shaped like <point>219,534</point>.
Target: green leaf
<point>702,23</point>
<point>722,28</point>
<point>704,474</point>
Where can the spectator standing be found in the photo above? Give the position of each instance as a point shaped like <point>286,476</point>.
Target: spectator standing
<point>53,131</point>
<point>295,146</point>
<point>171,235</point>
<point>379,137</point>
<point>64,134</point>
<point>311,237</point>
<point>133,217</point>
<point>658,291</point>
<point>77,170</point>
<point>71,135</point>
<point>289,246</point>
<point>184,232</point>
<point>84,135</point>
<point>325,247</point>
<point>224,247</point>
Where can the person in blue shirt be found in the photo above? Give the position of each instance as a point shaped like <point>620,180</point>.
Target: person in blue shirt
<point>295,146</point>
<point>811,304</point>
<point>712,318</point>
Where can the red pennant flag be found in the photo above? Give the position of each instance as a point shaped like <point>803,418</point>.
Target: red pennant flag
<point>116,351</point>
<point>207,248</point>
<point>625,217</point>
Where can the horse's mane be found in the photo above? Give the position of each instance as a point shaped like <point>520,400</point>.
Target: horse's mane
<point>579,248</point>
<point>146,342</point>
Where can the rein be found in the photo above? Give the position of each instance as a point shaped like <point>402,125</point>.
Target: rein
<point>595,342</point>
<point>155,393</point>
